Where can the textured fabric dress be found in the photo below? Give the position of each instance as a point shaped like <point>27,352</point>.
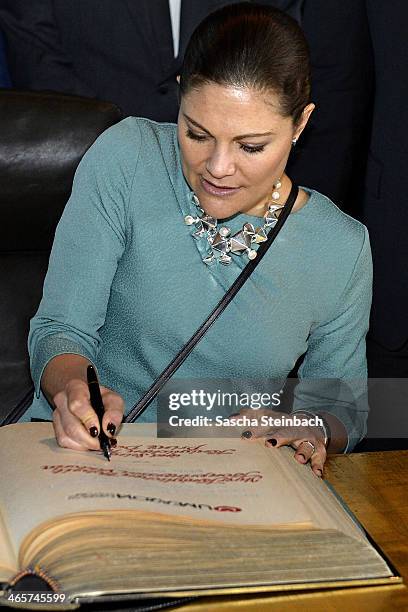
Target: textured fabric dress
<point>127,287</point>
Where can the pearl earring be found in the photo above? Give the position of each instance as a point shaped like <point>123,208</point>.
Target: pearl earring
<point>294,141</point>
<point>275,192</point>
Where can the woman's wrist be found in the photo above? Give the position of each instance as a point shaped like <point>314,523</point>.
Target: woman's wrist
<point>59,371</point>
<point>339,436</point>
<point>322,429</point>
<point>334,435</point>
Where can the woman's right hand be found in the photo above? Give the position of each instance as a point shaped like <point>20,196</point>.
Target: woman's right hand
<point>76,424</point>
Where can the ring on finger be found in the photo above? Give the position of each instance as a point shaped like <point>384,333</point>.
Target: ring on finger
<point>312,446</point>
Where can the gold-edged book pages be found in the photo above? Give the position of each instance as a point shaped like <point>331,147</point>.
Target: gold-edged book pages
<point>173,517</point>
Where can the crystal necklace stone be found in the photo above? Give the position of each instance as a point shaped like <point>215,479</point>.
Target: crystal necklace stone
<point>260,235</point>
<point>221,244</point>
<point>209,222</point>
<point>240,241</point>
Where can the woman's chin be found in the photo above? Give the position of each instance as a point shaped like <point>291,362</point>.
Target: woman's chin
<point>220,211</point>
<point>220,208</point>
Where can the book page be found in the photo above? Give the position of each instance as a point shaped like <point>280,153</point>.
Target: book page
<point>324,509</point>
<point>228,480</point>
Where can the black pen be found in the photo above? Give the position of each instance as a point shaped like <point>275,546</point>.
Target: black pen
<point>97,405</point>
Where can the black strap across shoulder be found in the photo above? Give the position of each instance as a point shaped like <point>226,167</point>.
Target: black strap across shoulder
<point>182,355</point>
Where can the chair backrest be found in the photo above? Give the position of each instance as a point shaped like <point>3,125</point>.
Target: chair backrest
<point>43,136</point>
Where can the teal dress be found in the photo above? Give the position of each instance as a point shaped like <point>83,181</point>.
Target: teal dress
<point>126,285</point>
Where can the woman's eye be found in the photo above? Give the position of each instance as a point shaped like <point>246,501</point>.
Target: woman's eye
<point>252,149</point>
<point>202,137</point>
<point>194,136</point>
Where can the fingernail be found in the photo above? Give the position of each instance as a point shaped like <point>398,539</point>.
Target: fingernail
<point>319,472</point>
<point>246,434</point>
<point>93,431</point>
<point>111,428</point>
<point>273,441</point>
<point>113,441</point>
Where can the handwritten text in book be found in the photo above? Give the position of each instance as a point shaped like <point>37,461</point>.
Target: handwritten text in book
<point>183,477</point>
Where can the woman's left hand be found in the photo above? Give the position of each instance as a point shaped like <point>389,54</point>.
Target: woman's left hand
<point>307,441</point>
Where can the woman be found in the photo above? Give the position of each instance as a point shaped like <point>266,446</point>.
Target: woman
<point>127,286</point>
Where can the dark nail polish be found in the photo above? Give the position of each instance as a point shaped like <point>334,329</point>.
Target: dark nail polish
<point>111,428</point>
<point>247,434</point>
<point>93,431</point>
<point>113,441</point>
<point>273,441</point>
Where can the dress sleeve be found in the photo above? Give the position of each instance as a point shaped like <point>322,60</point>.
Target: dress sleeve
<point>333,375</point>
<point>89,242</point>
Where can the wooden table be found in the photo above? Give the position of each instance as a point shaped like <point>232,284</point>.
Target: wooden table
<point>375,486</point>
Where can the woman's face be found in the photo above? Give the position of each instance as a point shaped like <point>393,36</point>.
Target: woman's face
<point>234,147</point>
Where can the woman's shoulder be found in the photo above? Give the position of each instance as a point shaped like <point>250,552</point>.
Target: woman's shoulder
<point>132,131</point>
<point>332,223</point>
<point>138,131</point>
<point>335,247</point>
<point>120,147</point>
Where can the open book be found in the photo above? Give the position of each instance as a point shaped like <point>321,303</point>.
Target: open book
<point>172,517</point>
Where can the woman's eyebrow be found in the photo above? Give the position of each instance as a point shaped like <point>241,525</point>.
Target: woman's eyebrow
<point>197,124</point>
<point>242,136</point>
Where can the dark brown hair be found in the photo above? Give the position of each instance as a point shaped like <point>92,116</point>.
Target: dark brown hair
<point>254,46</point>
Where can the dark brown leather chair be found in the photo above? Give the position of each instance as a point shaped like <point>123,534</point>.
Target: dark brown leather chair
<point>43,136</point>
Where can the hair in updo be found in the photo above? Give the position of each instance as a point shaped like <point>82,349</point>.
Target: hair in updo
<point>253,46</point>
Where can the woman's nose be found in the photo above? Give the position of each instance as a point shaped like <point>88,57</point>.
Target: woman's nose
<point>220,163</point>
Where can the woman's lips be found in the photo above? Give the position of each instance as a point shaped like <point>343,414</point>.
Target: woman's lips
<point>217,191</point>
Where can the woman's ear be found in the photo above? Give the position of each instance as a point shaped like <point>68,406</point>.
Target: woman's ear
<point>307,111</point>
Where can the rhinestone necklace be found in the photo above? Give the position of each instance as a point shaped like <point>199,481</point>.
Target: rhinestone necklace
<point>222,244</point>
